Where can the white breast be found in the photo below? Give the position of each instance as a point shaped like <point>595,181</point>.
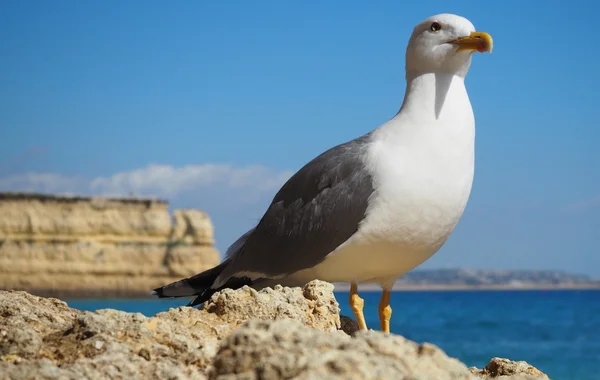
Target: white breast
<point>423,172</point>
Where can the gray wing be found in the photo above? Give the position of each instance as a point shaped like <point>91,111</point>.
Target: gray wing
<point>314,212</point>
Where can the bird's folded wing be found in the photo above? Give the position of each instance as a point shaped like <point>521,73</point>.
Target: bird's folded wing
<point>315,211</point>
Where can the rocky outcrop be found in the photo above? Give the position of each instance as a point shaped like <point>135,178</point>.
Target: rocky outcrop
<point>80,246</point>
<point>500,368</point>
<point>280,333</point>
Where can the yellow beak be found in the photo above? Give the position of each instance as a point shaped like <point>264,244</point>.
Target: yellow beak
<point>476,41</point>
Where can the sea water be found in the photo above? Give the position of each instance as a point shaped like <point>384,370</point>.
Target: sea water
<point>557,331</point>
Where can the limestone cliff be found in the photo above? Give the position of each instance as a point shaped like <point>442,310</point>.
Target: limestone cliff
<point>83,246</point>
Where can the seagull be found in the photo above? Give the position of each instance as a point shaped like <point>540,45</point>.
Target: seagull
<point>371,209</point>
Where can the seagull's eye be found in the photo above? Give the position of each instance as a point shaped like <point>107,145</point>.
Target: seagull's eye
<point>435,27</point>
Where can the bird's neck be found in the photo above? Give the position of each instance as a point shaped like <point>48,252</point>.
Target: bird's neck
<point>434,97</point>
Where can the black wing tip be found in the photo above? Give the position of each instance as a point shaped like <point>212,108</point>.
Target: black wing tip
<point>197,301</point>
<point>175,289</point>
<point>202,297</point>
<point>158,293</point>
<point>206,294</point>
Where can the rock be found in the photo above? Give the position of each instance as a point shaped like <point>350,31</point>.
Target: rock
<point>51,217</point>
<point>286,349</point>
<point>293,333</point>
<point>26,320</point>
<point>112,365</point>
<point>348,325</point>
<point>91,246</point>
<point>314,306</point>
<point>35,330</point>
<point>500,368</point>
<point>193,226</point>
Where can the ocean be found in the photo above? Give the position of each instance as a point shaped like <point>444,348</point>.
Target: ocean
<point>557,331</point>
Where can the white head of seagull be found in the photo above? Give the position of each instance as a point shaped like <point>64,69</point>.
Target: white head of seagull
<point>444,43</point>
<point>439,53</point>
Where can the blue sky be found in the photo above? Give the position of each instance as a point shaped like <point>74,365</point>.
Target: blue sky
<point>213,104</point>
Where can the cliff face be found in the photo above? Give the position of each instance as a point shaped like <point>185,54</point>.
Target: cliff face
<point>80,246</point>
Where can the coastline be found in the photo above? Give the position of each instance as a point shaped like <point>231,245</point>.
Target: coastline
<point>485,287</point>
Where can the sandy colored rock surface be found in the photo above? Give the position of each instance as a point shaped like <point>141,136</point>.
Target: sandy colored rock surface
<point>63,246</point>
<point>286,349</point>
<point>501,368</point>
<point>46,217</point>
<point>280,333</point>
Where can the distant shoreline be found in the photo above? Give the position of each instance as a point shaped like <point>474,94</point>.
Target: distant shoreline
<point>433,287</point>
<point>339,287</point>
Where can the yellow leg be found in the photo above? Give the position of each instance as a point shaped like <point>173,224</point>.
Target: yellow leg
<point>385,311</point>
<point>357,304</point>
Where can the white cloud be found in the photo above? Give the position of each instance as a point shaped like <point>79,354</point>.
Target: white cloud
<point>163,181</point>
